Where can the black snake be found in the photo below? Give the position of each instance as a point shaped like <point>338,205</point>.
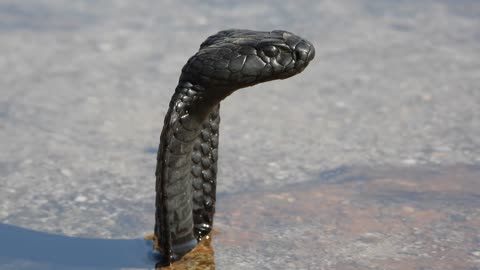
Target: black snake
<point>187,156</point>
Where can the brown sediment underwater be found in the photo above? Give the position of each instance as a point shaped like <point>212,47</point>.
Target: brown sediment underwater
<point>354,218</point>
<point>362,218</point>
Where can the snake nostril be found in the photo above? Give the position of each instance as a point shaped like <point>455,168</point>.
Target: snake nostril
<point>298,55</point>
<point>304,51</point>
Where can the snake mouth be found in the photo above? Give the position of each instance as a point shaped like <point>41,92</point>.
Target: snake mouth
<point>233,59</point>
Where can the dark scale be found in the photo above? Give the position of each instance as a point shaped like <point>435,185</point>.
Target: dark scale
<point>187,156</point>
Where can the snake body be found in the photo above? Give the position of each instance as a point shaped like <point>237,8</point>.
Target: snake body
<point>187,156</point>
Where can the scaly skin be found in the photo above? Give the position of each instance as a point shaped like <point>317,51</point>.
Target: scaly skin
<point>187,155</point>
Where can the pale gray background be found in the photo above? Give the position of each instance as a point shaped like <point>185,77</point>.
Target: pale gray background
<point>84,87</point>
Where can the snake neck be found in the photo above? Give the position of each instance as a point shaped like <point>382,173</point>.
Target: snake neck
<point>186,170</point>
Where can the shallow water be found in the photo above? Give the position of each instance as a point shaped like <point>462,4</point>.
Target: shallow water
<point>310,169</point>
<point>349,218</point>
<point>358,218</point>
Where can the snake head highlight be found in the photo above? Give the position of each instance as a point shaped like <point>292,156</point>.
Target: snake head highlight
<point>233,59</point>
<point>188,151</point>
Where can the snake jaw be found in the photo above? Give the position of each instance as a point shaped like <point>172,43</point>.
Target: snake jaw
<point>234,59</point>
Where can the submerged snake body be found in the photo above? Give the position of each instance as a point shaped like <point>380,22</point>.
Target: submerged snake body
<point>187,156</point>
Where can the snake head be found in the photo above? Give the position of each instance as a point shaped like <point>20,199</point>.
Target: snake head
<point>233,59</point>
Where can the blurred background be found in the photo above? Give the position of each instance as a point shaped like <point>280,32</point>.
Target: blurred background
<point>392,97</point>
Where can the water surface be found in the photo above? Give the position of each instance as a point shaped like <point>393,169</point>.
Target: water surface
<point>367,160</point>
<point>350,218</point>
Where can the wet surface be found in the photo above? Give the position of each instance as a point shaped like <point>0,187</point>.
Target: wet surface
<point>402,218</point>
<point>367,160</point>
<point>356,218</point>
<point>22,248</point>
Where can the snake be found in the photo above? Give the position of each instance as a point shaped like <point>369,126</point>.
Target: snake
<point>186,169</point>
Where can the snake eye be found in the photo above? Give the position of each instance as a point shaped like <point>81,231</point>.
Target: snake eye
<point>270,51</point>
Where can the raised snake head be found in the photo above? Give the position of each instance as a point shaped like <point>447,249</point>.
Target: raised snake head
<point>233,59</point>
